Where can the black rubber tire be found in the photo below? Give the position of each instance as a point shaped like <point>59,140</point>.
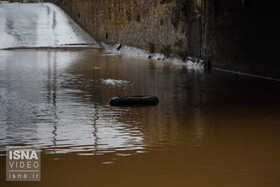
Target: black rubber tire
<point>138,100</point>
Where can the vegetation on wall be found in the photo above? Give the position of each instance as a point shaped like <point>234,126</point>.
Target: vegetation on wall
<point>151,47</point>
<point>138,17</point>
<point>166,50</point>
<point>182,54</point>
<point>161,21</point>
<point>178,43</point>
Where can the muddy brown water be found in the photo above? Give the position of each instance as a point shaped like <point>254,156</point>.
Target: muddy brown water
<point>209,129</point>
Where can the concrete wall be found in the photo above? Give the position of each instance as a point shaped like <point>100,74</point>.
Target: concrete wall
<point>133,22</point>
<point>243,35</point>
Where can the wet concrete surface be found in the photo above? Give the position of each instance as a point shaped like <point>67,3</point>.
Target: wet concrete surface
<point>39,25</point>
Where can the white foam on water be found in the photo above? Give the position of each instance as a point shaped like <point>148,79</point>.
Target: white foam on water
<point>191,63</point>
<point>114,82</point>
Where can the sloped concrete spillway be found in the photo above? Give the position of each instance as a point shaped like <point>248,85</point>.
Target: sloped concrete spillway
<point>39,25</point>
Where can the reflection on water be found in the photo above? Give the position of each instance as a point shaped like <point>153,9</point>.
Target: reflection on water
<point>41,105</point>
<point>59,102</point>
<point>217,123</point>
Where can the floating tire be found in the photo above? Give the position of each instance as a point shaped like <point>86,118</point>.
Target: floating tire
<point>139,100</point>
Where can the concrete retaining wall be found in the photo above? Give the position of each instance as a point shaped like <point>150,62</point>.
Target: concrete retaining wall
<point>133,23</point>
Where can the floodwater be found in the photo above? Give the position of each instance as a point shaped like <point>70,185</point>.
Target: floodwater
<point>209,129</point>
